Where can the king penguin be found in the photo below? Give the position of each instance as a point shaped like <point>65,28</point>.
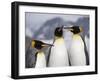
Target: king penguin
<point>58,54</point>
<point>40,59</point>
<point>77,51</point>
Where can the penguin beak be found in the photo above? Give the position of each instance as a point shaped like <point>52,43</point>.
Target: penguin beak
<point>46,45</point>
<point>68,28</point>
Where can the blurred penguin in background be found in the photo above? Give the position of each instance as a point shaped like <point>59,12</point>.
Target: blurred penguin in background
<point>40,60</point>
<point>58,55</point>
<point>77,51</point>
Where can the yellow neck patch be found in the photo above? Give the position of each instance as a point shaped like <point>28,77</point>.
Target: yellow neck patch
<point>76,36</point>
<point>40,54</point>
<point>81,29</point>
<point>59,40</point>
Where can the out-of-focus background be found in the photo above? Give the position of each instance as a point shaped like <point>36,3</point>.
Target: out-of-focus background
<point>41,26</point>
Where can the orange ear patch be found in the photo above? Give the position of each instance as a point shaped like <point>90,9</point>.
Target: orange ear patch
<point>33,43</point>
<point>81,29</point>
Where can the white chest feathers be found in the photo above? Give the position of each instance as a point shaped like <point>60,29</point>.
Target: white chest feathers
<point>40,60</point>
<point>58,55</point>
<point>76,51</point>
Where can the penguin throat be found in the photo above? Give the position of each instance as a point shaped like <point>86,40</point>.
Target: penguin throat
<point>39,51</point>
<point>56,37</point>
<point>76,36</point>
<point>59,40</point>
<point>40,54</point>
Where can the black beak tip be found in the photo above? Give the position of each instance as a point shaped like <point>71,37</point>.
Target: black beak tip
<point>64,27</point>
<point>52,45</point>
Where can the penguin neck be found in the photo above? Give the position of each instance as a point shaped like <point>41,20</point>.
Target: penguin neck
<point>76,36</point>
<point>59,40</point>
<point>40,53</point>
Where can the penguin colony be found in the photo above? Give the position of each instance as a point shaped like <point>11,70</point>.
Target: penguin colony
<point>58,54</point>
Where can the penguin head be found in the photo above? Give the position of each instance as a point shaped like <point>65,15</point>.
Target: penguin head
<point>58,32</point>
<point>75,29</point>
<point>39,44</point>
